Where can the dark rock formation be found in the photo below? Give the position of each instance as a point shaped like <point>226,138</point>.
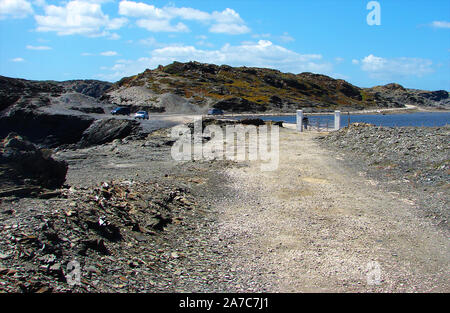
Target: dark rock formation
<point>96,110</point>
<point>22,164</point>
<point>91,88</point>
<point>49,130</point>
<point>252,121</point>
<point>435,95</point>
<point>106,130</point>
<point>397,94</point>
<point>238,104</point>
<point>13,89</point>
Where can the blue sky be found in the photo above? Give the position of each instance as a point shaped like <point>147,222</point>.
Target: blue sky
<point>107,40</point>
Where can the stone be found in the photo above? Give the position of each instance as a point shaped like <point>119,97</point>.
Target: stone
<point>107,130</point>
<point>23,160</point>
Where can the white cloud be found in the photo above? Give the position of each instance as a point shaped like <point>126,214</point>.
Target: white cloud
<point>108,53</point>
<point>160,19</point>
<point>18,60</point>
<point>187,13</point>
<point>203,42</point>
<point>40,3</point>
<point>15,9</point>
<point>161,26</point>
<point>30,47</point>
<point>383,68</point>
<point>139,9</point>
<point>78,17</point>
<point>259,54</point>
<point>114,36</point>
<point>150,41</point>
<point>116,23</point>
<point>231,29</point>
<point>440,24</point>
<point>228,22</point>
<point>105,54</point>
<point>286,37</point>
<point>267,35</point>
<point>355,61</point>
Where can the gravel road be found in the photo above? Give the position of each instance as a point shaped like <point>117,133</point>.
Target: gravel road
<point>317,225</point>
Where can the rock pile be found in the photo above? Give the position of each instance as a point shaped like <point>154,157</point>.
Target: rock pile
<point>419,153</point>
<point>411,161</point>
<point>108,230</point>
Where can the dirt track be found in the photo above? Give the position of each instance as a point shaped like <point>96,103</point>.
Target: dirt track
<point>314,225</point>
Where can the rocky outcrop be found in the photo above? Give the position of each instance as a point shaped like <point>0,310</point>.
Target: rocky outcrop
<point>106,130</point>
<point>14,89</point>
<point>22,164</point>
<point>45,129</point>
<point>397,94</point>
<point>49,113</point>
<point>239,105</point>
<point>96,110</point>
<point>438,95</point>
<point>91,88</point>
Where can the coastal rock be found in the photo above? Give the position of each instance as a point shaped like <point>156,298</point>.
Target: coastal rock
<point>397,94</point>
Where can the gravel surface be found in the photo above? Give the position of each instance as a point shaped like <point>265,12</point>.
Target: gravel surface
<point>318,223</point>
<point>413,161</point>
<point>136,221</point>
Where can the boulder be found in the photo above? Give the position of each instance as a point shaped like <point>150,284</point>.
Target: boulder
<point>106,130</point>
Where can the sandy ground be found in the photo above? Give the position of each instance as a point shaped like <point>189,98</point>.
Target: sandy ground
<point>314,225</point>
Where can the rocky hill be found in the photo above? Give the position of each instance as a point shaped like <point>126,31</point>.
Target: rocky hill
<point>194,87</point>
<point>399,94</point>
<point>51,113</point>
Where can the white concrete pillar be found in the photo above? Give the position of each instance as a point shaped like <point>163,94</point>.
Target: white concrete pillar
<point>337,120</point>
<point>300,120</point>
